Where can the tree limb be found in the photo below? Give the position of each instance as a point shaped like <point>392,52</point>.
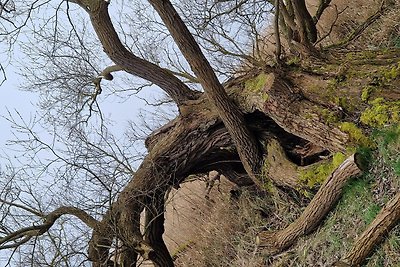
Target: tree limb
<point>360,29</point>
<point>320,205</point>
<point>116,51</point>
<point>384,221</point>
<point>278,50</point>
<point>323,4</point>
<point>27,233</point>
<point>230,114</point>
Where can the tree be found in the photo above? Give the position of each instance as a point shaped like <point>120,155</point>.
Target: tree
<point>236,121</point>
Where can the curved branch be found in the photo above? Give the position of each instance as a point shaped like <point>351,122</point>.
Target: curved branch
<point>117,52</point>
<point>27,233</point>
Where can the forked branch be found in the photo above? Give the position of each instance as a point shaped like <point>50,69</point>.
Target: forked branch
<point>125,59</point>
<point>23,235</point>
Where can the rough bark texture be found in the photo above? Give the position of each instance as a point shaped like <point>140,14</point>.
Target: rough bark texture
<point>305,23</point>
<point>298,115</point>
<point>197,141</point>
<point>388,217</point>
<point>320,205</point>
<point>213,132</point>
<point>232,117</point>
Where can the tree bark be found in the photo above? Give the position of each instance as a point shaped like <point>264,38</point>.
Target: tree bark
<point>117,52</point>
<point>305,24</point>
<point>246,144</point>
<point>315,212</point>
<point>296,114</point>
<point>155,229</point>
<point>386,219</point>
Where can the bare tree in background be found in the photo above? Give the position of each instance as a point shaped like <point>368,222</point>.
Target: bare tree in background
<point>100,185</point>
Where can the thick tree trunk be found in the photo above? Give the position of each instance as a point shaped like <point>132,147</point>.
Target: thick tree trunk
<point>197,142</point>
<point>295,113</point>
<point>315,212</point>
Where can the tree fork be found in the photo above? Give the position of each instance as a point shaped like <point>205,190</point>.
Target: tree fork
<point>126,60</point>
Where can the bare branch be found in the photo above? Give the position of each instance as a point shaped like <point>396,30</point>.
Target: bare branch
<point>27,233</point>
<point>101,21</point>
<point>277,34</point>
<point>360,29</point>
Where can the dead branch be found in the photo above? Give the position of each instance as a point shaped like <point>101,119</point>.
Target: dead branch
<point>360,29</point>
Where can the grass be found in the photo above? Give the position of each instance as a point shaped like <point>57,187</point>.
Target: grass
<point>227,239</point>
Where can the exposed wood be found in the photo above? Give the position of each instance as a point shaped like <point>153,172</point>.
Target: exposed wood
<point>386,219</point>
<point>315,212</point>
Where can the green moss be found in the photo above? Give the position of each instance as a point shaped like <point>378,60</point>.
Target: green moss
<point>316,175</point>
<point>329,116</point>
<point>355,134</point>
<point>366,92</point>
<point>257,83</point>
<point>390,73</point>
<point>293,61</point>
<point>381,113</point>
